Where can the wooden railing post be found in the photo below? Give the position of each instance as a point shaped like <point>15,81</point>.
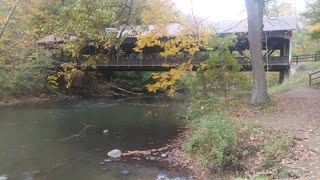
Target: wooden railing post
<point>310,75</point>
<point>313,73</point>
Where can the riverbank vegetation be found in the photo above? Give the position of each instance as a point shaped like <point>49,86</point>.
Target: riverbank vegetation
<point>224,144</point>
<point>298,78</point>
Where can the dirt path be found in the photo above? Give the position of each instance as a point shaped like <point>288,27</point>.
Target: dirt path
<point>298,112</point>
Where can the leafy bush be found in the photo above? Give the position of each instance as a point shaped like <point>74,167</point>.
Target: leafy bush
<point>222,144</point>
<point>26,78</point>
<point>213,140</point>
<point>225,145</point>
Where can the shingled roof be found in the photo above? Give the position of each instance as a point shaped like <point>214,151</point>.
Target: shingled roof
<point>281,23</point>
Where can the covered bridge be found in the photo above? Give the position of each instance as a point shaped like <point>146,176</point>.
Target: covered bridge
<point>277,36</point>
<point>276,44</point>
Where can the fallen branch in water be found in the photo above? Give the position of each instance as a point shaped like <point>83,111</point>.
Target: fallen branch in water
<point>84,129</point>
<point>121,89</point>
<point>153,105</point>
<point>152,152</point>
<point>77,137</point>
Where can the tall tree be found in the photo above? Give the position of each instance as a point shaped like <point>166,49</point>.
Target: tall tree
<point>18,33</point>
<point>312,14</point>
<point>275,8</point>
<point>259,93</point>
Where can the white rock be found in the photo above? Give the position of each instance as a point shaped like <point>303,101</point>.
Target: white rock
<point>116,153</point>
<point>164,155</point>
<point>107,160</point>
<point>3,177</point>
<point>105,132</point>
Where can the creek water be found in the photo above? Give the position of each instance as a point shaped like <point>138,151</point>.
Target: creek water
<point>38,142</point>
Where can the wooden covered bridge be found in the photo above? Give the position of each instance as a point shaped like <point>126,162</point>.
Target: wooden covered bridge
<point>276,44</point>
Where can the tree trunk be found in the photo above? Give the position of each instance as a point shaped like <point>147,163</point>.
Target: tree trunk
<point>259,93</point>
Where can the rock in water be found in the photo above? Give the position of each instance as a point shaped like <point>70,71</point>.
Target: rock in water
<point>116,153</point>
<point>3,177</point>
<point>105,132</point>
<point>147,153</point>
<point>164,155</point>
<point>107,160</point>
<point>124,172</point>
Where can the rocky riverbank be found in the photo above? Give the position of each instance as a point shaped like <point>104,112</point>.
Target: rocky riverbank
<point>11,101</point>
<point>172,155</point>
<point>36,99</point>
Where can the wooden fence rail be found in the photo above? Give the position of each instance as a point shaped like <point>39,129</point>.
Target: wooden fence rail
<point>312,78</point>
<point>305,58</point>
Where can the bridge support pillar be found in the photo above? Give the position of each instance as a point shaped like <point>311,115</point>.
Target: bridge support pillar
<point>283,75</point>
<point>107,76</point>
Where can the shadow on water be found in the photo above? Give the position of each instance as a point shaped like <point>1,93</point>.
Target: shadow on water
<point>39,142</point>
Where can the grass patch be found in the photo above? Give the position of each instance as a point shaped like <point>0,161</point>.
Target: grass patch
<point>298,79</point>
<point>212,141</point>
<point>223,145</point>
<point>312,66</point>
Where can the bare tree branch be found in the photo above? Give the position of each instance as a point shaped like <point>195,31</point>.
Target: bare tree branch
<point>8,18</point>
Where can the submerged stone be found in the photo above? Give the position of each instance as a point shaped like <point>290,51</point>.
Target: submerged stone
<point>105,132</point>
<point>164,155</point>
<point>107,160</point>
<point>124,172</point>
<point>116,153</point>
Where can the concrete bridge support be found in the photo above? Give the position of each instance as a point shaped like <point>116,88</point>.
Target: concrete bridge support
<point>283,75</point>
<point>107,75</point>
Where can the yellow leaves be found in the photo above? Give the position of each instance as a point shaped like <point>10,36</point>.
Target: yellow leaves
<point>167,80</point>
<point>315,31</point>
<point>174,35</point>
<point>315,27</point>
<point>69,73</point>
<point>53,81</point>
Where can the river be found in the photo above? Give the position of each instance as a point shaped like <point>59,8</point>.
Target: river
<point>37,142</point>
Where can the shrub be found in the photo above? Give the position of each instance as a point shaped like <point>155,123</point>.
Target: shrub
<point>222,144</point>
<point>213,140</point>
<point>26,78</point>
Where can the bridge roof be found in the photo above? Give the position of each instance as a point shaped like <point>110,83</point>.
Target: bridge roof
<point>281,23</point>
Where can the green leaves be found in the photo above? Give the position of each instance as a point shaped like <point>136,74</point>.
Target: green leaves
<point>312,14</point>
<point>90,21</point>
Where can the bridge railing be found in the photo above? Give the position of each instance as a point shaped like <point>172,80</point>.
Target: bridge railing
<point>305,58</point>
<point>156,62</point>
<point>152,62</point>
<point>272,60</point>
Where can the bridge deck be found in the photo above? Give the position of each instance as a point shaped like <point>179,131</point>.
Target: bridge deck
<point>156,64</point>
